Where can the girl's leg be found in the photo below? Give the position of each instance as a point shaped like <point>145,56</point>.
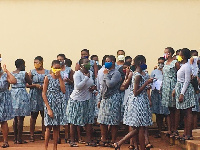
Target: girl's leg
<point>32,124</point>
<point>43,127</point>
<point>20,128</point>
<point>72,132</point>
<point>189,117</point>
<point>79,134</point>
<point>89,131</point>
<point>168,124</point>
<point>66,133</point>
<point>47,136</point>
<point>142,138</point>
<point>104,132</point>
<point>4,127</point>
<point>159,121</point>
<point>128,137</point>
<point>177,119</point>
<point>172,118</point>
<point>114,129</point>
<point>194,120</point>
<point>58,139</point>
<point>146,135</point>
<point>56,130</point>
<point>15,129</point>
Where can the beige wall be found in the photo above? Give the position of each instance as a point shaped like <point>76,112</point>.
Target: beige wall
<point>40,27</point>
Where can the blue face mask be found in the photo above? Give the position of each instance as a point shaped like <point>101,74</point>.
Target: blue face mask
<point>85,57</point>
<point>143,66</point>
<point>108,65</point>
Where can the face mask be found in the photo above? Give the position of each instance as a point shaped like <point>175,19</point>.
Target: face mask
<point>0,60</point>
<point>55,70</point>
<point>108,65</point>
<point>121,57</point>
<point>62,63</point>
<point>124,70</point>
<point>97,62</point>
<point>37,66</point>
<point>165,55</point>
<point>160,65</point>
<point>85,57</point>
<point>87,66</point>
<point>179,58</point>
<point>143,66</point>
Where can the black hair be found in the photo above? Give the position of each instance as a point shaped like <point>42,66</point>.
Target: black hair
<point>93,57</point>
<point>54,62</point>
<point>112,58</point>
<point>61,55</point>
<point>178,51</point>
<point>81,60</point>
<point>128,57</point>
<point>186,53</point>
<point>193,52</point>
<point>171,50</point>
<point>138,59</point>
<point>104,59</point>
<point>127,64</point>
<point>39,58</point>
<point>121,51</point>
<point>19,63</point>
<point>86,50</point>
<point>68,62</point>
<point>161,58</point>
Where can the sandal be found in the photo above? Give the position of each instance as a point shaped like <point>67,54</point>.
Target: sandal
<point>73,144</point>
<point>116,146</point>
<point>67,140</point>
<point>103,144</point>
<point>92,144</point>
<point>131,147</point>
<point>21,142</point>
<point>5,145</point>
<point>42,137</point>
<point>174,134</point>
<point>148,146</point>
<point>15,141</point>
<point>32,139</point>
<point>81,142</point>
<point>187,138</point>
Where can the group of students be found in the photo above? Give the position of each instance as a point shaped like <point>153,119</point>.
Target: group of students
<point>118,92</point>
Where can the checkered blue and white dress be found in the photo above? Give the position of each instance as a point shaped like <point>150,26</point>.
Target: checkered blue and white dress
<point>6,109</point>
<point>19,95</point>
<point>36,100</point>
<point>137,109</point>
<point>56,100</point>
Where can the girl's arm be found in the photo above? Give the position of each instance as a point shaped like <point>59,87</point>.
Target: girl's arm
<point>28,79</point>
<point>77,81</point>
<point>113,81</point>
<point>44,96</point>
<point>137,89</point>
<point>11,79</point>
<point>95,70</point>
<point>77,67</point>
<point>126,82</point>
<point>32,85</point>
<point>177,66</point>
<point>70,80</point>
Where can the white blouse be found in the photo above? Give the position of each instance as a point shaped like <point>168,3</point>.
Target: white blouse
<point>184,76</point>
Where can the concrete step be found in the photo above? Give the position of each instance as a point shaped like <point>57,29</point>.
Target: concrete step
<point>185,145</point>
